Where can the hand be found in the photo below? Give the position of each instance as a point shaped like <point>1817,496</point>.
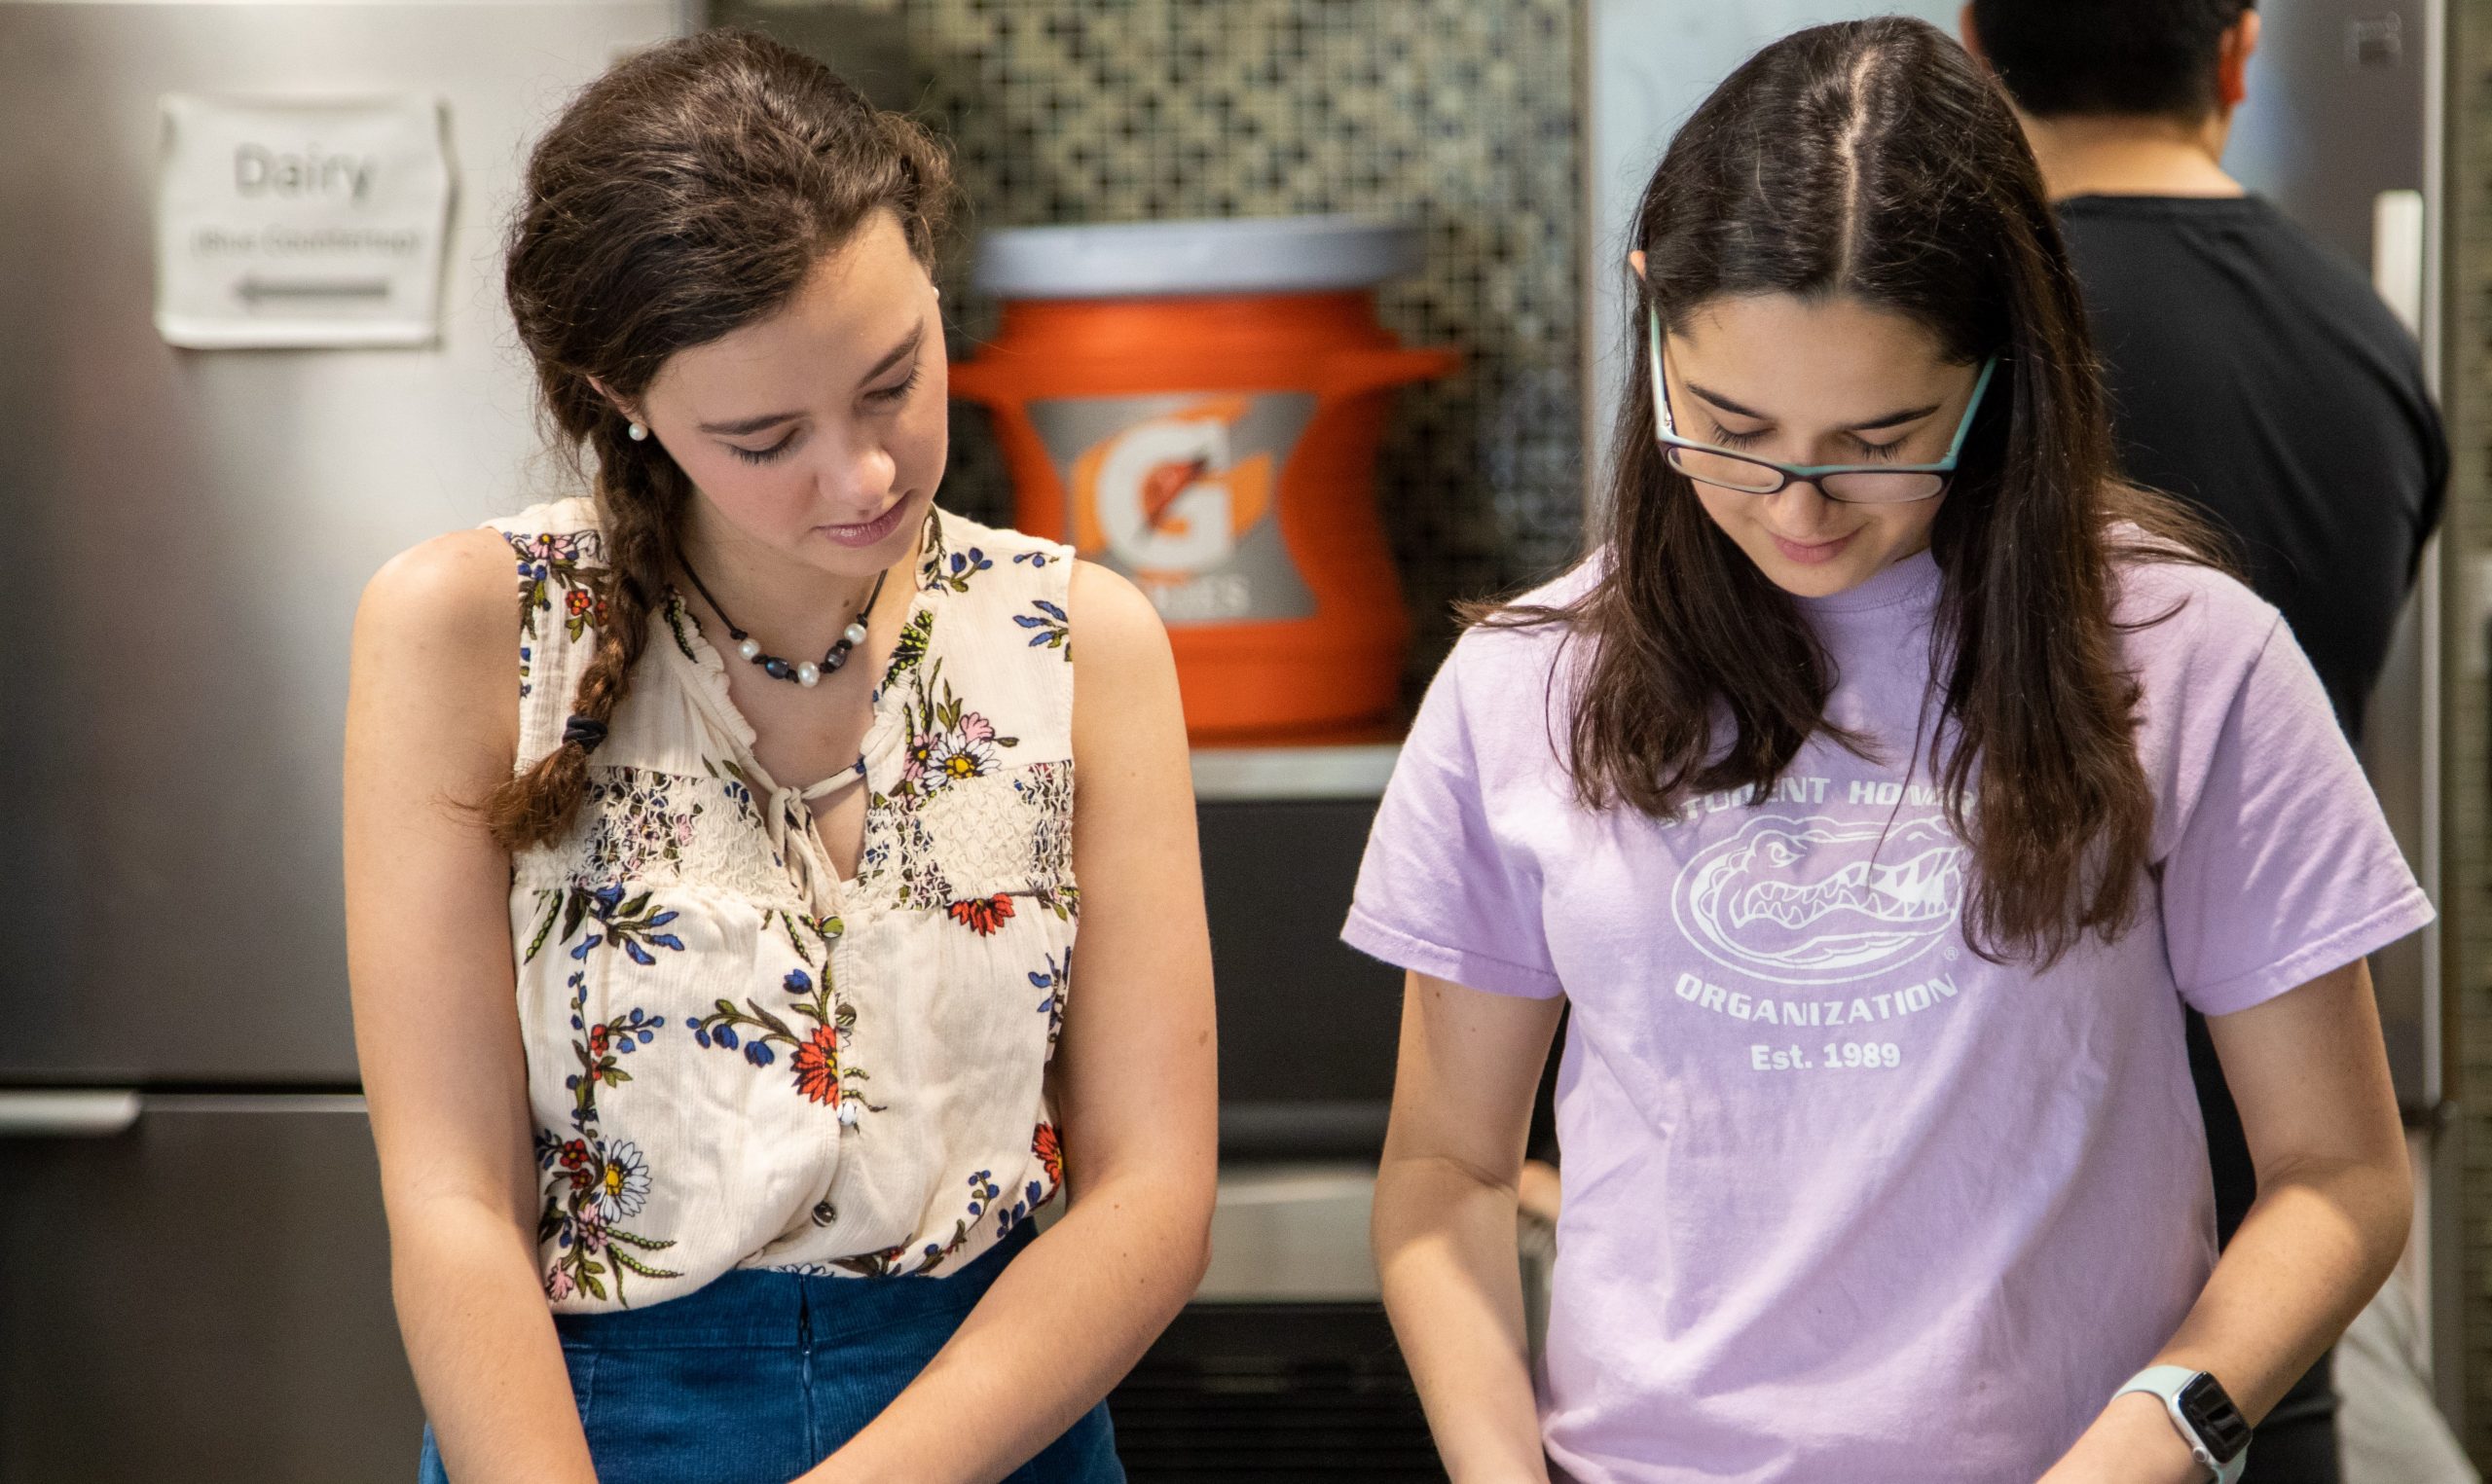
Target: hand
<point>2133,1442</point>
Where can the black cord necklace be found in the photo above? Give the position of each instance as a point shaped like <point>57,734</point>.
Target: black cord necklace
<point>803,673</point>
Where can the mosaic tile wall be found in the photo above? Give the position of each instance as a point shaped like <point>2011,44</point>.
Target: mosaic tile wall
<point>1459,115</point>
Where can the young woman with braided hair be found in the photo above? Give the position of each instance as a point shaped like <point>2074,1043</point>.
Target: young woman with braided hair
<point>715,1000</point>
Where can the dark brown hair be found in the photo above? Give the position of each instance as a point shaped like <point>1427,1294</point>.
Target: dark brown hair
<point>1873,159</point>
<point>686,193</point>
<point>2119,58</point>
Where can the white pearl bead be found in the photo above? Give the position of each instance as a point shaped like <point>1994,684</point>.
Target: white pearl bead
<point>808,672</point>
<point>854,635</point>
<point>749,648</point>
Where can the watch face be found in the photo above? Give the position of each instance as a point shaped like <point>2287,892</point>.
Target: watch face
<point>2214,1418</point>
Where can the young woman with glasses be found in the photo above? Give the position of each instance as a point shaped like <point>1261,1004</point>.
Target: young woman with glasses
<point>1876,794</point>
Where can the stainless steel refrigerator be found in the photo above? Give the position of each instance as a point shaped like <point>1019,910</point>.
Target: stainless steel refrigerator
<point>192,1265</point>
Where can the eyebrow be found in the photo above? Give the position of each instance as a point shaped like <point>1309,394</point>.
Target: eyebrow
<point>1891,419</point>
<point>903,352</point>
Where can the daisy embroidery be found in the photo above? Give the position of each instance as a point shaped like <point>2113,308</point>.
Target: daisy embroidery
<point>623,1181</point>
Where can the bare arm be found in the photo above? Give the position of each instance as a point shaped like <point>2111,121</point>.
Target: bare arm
<point>1445,1220</point>
<point>1137,1095</point>
<point>2334,1200</point>
<point>431,721</point>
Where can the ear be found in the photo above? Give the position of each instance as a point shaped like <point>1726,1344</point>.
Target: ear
<point>1971,38</point>
<point>2233,50</point>
<point>1636,261</point>
<point>630,414</point>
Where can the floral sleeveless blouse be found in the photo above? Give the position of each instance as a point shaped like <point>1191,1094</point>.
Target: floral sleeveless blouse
<point>734,1058</point>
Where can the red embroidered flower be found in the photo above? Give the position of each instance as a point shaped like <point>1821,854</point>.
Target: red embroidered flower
<point>597,1040</point>
<point>576,1159</point>
<point>578,601</point>
<point>817,1063</point>
<point>983,915</point>
<point>1050,1152</point>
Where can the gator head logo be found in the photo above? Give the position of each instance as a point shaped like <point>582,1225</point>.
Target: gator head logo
<point>1821,900</point>
<point>1167,496</point>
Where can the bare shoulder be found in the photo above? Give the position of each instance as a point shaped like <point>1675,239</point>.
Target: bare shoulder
<point>453,593</point>
<point>1125,677</point>
<point>438,628</point>
<point>1111,617</point>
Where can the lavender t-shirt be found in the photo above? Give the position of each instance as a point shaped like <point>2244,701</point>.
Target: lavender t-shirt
<point>1843,1200</point>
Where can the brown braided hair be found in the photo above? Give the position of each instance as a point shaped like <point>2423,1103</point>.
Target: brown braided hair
<point>687,193</point>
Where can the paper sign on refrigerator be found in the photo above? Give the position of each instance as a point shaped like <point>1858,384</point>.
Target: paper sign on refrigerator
<point>301,224</point>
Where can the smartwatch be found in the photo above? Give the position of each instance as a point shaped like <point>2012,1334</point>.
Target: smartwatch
<point>2218,1435</point>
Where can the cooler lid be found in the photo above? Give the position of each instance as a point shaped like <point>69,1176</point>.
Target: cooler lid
<point>1235,255</point>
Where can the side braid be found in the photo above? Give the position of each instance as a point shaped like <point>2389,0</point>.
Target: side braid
<point>640,497</point>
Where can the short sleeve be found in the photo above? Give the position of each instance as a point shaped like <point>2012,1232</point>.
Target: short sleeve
<point>1439,892</point>
<point>2285,868</point>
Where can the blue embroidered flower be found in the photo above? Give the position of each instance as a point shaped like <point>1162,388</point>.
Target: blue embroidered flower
<point>1051,629</point>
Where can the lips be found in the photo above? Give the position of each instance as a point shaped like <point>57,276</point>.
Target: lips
<point>1812,553</point>
<point>868,532</point>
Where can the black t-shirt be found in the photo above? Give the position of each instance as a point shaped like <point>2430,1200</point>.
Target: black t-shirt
<point>2255,374</point>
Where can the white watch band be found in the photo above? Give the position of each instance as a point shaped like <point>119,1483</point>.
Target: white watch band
<point>2166,1382</point>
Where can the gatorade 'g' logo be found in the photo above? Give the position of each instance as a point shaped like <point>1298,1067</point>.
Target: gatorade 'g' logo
<point>1166,496</point>
<point>1821,900</point>
<point>1178,490</point>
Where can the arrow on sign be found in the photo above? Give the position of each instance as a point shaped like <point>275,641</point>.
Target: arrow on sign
<point>252,290</point>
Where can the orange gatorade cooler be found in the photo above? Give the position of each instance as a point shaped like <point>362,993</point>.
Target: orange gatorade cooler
<point>1196,405</point>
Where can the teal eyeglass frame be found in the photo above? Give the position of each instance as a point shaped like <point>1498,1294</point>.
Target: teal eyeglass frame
<point>1813,474</point>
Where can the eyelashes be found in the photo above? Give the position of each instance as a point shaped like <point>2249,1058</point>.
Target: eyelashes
<point>882,398</point>
<point>893,395</point>
<point>762,455</point>
<point>1876,452</point>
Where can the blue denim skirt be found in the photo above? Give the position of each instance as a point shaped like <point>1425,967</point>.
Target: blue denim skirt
<point>759,1376</point>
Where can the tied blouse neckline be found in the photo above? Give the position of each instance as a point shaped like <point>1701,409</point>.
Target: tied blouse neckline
<point>787,810</point>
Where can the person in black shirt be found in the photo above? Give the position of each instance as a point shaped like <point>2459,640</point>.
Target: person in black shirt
<point>2254,375</point>
<point>2250,371</point>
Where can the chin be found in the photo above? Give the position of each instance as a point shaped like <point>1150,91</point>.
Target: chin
<point>1849,569</point>
<point>1813,580</point>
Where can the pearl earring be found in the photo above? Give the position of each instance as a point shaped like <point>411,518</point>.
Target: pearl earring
<point>638,433</point>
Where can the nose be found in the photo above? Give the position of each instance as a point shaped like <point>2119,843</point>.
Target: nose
<point>1799,508</point>
<point>858,477</point>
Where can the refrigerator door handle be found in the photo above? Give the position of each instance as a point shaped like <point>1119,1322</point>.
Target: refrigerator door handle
<point>99,1112</point>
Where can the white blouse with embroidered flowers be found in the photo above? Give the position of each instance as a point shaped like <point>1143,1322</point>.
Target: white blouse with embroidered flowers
<point>734,1058</point>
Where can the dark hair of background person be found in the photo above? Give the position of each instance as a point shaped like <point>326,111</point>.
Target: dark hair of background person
<point>684,195</point>
<point>1873,159</point>
<point>2107,56</point>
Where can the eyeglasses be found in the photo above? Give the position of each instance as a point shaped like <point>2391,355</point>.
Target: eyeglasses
<point>1848,483</point>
